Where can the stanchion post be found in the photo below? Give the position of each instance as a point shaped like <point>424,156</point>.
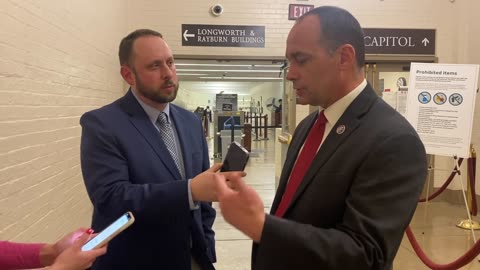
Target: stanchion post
<point>471,193</point>
<point>206,126</point>
<point>256,127</point>
<point>461,225</point>
<point>232,135</point>
<point>247,139</point>
<point>468,224</point>
<point>429,176</point>
<point>260,121</point>
<point>265,133</point>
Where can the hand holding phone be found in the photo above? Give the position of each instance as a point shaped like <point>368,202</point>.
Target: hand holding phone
<point>236,158</point>
<point>110,232</point>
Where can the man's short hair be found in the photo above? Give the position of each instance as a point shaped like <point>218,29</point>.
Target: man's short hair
<point>125,50</point>
<point>339,27</point>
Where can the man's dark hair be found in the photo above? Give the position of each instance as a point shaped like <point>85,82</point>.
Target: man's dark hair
<point>339,27</point>
<point>126,45</point>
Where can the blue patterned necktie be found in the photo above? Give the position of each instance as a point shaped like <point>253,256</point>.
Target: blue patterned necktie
<point>166,132</point>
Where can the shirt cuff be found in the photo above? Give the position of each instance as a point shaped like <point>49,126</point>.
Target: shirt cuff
<point>193,205</point>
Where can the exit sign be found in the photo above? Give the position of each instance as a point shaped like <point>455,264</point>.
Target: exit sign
<point>296,11</point>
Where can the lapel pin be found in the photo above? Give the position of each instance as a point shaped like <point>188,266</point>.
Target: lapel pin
<point>341,129</point>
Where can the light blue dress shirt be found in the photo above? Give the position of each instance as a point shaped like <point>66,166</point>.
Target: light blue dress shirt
<point>153,115</point>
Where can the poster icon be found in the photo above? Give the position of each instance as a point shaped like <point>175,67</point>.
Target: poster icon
<point>424,97</point>
<point>455,99</point>
<point>440,98</point>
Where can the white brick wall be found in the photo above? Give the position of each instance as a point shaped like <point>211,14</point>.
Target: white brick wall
<point>167,17</point>
<point>58,59</point>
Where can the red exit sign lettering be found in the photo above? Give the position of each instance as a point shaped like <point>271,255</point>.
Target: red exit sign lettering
<point>296,11</point>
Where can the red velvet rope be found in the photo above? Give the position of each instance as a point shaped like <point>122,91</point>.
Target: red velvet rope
<point>471,254</point>
<point>474,251</point>
<point>445,185</point>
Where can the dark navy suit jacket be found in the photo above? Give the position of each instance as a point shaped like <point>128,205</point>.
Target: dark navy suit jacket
<point>126,167</point>
<point>356,199</point>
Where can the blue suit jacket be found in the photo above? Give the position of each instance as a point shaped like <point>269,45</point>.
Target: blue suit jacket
<point>126,167</point>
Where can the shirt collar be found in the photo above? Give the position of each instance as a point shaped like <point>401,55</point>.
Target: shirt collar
<point>151,111</point>
<point>336,110</point>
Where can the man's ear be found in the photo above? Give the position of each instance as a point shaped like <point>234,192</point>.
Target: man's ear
<point>347,56</point>
<point>127,74</point>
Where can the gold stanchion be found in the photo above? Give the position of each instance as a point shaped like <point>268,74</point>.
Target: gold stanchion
<point>469,224</point>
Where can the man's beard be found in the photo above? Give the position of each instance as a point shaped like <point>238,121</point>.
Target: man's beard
<point>155,94</point>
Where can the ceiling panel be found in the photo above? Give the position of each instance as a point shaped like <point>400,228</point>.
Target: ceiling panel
<point>230,76</point>
<point>215,87</point>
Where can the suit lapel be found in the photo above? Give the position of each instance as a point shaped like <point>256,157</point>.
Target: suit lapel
<point>142,123</point>
<point>328,148</point>
<point>300,136</point>
<point>351,119</point>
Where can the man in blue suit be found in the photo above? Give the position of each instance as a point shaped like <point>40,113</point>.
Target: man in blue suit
<point>143,154</point>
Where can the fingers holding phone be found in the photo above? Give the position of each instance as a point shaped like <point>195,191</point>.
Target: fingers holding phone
<point>236,158</point>
<point>232,178</point>
<point>73,258</point>
<point>215,168</point>
<point>110,232</point>
<point>234,163</point>
<point>203,186</point>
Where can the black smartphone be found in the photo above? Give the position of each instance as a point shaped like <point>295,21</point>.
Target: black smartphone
<point>236,158</point>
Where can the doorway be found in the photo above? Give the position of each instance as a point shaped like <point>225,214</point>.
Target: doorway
<point>240,91</point>
<point>391,73</point>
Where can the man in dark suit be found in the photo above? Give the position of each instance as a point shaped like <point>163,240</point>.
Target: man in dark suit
<point>353,172</point>
<point>143,154</point>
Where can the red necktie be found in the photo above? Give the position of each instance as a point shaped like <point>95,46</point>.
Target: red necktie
<point>304,160</point>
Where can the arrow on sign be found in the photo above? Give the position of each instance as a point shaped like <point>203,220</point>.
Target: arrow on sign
<point>186,35</point>
<point>425,41</point>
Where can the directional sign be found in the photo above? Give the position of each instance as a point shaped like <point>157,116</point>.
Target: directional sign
<point>399,41</point>
<point>186,35</point>
<point>223,35</point>
<point>425,42</point>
